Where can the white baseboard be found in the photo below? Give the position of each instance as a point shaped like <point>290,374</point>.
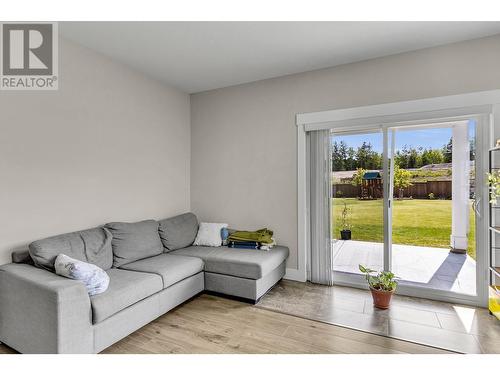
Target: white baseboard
<point>295,275</point>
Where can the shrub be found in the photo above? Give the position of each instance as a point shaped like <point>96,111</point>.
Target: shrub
<point>339,194</point>
<point>432,196</point>
<point>357,178</point>
<point>402,179</point>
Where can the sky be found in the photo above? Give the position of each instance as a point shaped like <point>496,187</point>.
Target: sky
<point>426,138</point>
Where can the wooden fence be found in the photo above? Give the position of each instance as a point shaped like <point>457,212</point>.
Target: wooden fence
<point>418,190</point>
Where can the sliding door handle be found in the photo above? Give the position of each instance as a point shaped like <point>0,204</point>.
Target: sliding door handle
<point>475,207</point>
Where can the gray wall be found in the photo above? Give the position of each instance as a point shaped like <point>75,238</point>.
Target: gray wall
<point>109,145</point>
<point>243,138</point>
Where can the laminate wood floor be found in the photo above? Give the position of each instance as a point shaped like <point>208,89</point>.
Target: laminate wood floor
<point>210,324</point>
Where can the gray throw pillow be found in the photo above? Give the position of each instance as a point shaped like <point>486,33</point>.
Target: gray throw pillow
<point>21,256</point>
<point>134,241</point>
<point>90,245</point>
<point>179,231</point>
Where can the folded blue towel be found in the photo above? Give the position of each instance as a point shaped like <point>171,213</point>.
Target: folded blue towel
<point>236,245</point>
<point>245,243</point>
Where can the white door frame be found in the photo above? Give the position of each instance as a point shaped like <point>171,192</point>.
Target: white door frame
<point>484,105</point>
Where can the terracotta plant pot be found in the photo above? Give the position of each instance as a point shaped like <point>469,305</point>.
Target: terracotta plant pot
<point>381,298</point>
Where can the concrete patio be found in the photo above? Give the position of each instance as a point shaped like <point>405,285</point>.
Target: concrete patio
<point>429,267</point>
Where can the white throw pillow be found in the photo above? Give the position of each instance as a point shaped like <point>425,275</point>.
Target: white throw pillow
<point>96,280</point>
<point>209,234</point>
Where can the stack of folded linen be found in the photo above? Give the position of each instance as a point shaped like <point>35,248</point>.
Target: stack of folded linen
<point>261,239</point>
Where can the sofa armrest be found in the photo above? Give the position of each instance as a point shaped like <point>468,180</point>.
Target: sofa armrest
<point>41,312</point>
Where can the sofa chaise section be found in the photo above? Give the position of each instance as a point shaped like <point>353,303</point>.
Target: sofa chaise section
<point>249,264</point>
<point>243,273</point>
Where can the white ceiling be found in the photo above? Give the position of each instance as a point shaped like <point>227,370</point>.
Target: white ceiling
<point>199,56</point>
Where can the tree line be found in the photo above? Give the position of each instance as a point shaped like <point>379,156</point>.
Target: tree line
<point>346,158</point>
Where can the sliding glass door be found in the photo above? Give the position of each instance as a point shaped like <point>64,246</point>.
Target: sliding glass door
<point>357,201</point>
<point>433,220</point>
<point>405,198</point>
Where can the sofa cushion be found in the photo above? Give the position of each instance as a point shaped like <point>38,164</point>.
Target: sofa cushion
<point>171,268</point>
<point>134,241</point>
<point>178,231</point>
<point>125,289</point>
<point>91,246</point>
<point>250,264</point>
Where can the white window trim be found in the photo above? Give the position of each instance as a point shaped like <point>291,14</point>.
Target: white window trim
<point>404,112</point>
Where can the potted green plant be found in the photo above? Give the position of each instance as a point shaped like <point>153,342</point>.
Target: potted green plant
<point>382,286</point>
<point>345,232</point>
<point>494,184</point>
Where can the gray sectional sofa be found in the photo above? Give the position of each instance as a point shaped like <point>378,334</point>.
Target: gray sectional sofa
<point>152,266</point>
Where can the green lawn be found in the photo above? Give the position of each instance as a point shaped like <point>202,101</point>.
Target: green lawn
<point>418,222</point>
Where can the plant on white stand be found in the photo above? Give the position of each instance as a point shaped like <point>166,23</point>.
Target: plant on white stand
<point>494,184</point>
